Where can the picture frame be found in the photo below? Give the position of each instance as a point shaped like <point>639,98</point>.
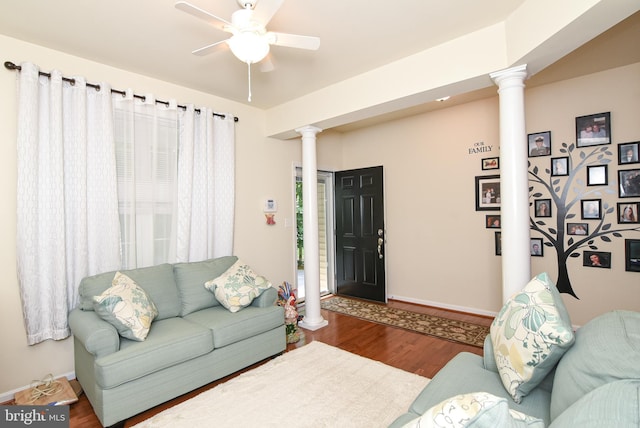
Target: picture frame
<point>629,183</point>
<point>632,255</point>
<point>542,207</point>
<point>628,212</point>
<point>492,221</point>
<point>629,153</point>
<point>539,144</point>
<point>488,193</point>
<point>536,247</point>
<point>593,130</point>
<point>591,209</point>
<point>581,229</point>
<point>560,166</point>
<point>498,243</point>
<point>597,175</point>
<point>490,163</point>
<point>596,259</point>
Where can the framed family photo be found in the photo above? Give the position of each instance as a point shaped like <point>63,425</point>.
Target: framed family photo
<point>593,130</point>
<point>539,144</point>
<point>599,259</point>
<point>488,193</point>
<point>536,247</point>
<point>577,228</point>
<point>629,183</point>
<point>628,212</point>
<point>628,153</point>
<point>597,175</point>
<point>560,166</point>
<point>632,255</point>
<point>542,207</point>
<point>490,163</point>
<point>492,221</point>
<point>591,209</point>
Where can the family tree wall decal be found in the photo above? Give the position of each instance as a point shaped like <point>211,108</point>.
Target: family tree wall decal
<point>565,196</point>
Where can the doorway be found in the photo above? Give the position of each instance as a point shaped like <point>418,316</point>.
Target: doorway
<point>360,233</point>
<point>325,234</point>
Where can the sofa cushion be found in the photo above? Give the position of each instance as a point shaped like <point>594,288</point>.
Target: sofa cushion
<point>157,281</point>
<point>170,341</point>
<point>477,410</point>
<point>613,405</point>
<point>465,373</point>
<point>529,335</point>
<point>230,327</point>
<point>190,278</point>
<point>127,307</point>
<point>237,286</point>
<point>607,349</point>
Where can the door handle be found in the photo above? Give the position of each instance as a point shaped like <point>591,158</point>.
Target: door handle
<point>380,242</point>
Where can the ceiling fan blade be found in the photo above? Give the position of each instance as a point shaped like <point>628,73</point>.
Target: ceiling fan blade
<point>216,21</point>
<point>209,49</point>
<point>265,9</point>
<point>267,64</point>
<point>294,41</point>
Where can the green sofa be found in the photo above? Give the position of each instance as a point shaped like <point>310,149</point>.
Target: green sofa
<point>596,383</point>
<point>192,341</point>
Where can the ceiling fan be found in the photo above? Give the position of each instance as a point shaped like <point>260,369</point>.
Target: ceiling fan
<point>250,41</point>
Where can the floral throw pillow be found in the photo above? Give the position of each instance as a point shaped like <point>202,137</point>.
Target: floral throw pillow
<point>127,306</point>
<point>477,410</point>
<point>237,287</point>
<point>529,335</point>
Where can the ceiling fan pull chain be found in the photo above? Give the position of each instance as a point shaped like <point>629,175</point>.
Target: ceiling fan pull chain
<point>249,68</point>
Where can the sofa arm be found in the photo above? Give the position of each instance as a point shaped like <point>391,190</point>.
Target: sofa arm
<point>96,335</point>
<point>489,359</point>
<point>266,299</point>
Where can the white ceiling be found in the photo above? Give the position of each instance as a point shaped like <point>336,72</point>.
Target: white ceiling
<point>153,38</point>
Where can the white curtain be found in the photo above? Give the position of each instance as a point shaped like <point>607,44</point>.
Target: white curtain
<point>67,218</point>
<point>206,185</point>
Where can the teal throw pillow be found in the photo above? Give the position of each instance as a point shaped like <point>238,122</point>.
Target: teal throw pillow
<point>237,287</point>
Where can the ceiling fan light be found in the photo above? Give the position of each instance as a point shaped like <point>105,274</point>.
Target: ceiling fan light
<point>249,46</point>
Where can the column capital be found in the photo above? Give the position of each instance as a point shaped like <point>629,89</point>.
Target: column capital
<point>514,74</point>
<point>308,130</point>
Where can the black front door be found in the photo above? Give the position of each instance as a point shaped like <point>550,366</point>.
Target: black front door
<point>359,202</point>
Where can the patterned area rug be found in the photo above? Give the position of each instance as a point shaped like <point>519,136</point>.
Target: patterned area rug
<point>456,331</point>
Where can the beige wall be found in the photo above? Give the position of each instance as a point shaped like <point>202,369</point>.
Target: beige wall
<point>438,250</point>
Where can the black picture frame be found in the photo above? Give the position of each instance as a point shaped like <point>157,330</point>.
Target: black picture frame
<point>591,209</point>
<point>593,130</point>
<point>497,239</point>
<point>629,153</point>
<point>536,248</point>
<point>580,229</point>
<point>539,144</point>
<point>632,255</point>
<point>493,221</point>
<point>628,212</point>
<point>560,166</point>
<point>542,207</point>
<point>629,183</point>
<point>488,193</point>
<point>597,175</point>
<point>490,163</point>
<point>596,259</point>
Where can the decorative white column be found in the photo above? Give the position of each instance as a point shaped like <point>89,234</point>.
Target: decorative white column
<point>514,181</point>
<point>312,319</point>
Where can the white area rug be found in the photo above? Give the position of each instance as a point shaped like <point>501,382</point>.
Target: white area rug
<point>315,385</point>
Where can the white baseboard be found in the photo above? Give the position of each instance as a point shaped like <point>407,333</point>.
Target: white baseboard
<point>444,306</point>
<point>9,395</point>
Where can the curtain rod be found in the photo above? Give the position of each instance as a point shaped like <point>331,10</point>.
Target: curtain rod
<point>11,66</point>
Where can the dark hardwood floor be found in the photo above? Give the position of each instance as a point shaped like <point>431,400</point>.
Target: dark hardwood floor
<point>413,352</point>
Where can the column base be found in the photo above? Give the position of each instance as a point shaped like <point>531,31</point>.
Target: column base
<point>313,326</point>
